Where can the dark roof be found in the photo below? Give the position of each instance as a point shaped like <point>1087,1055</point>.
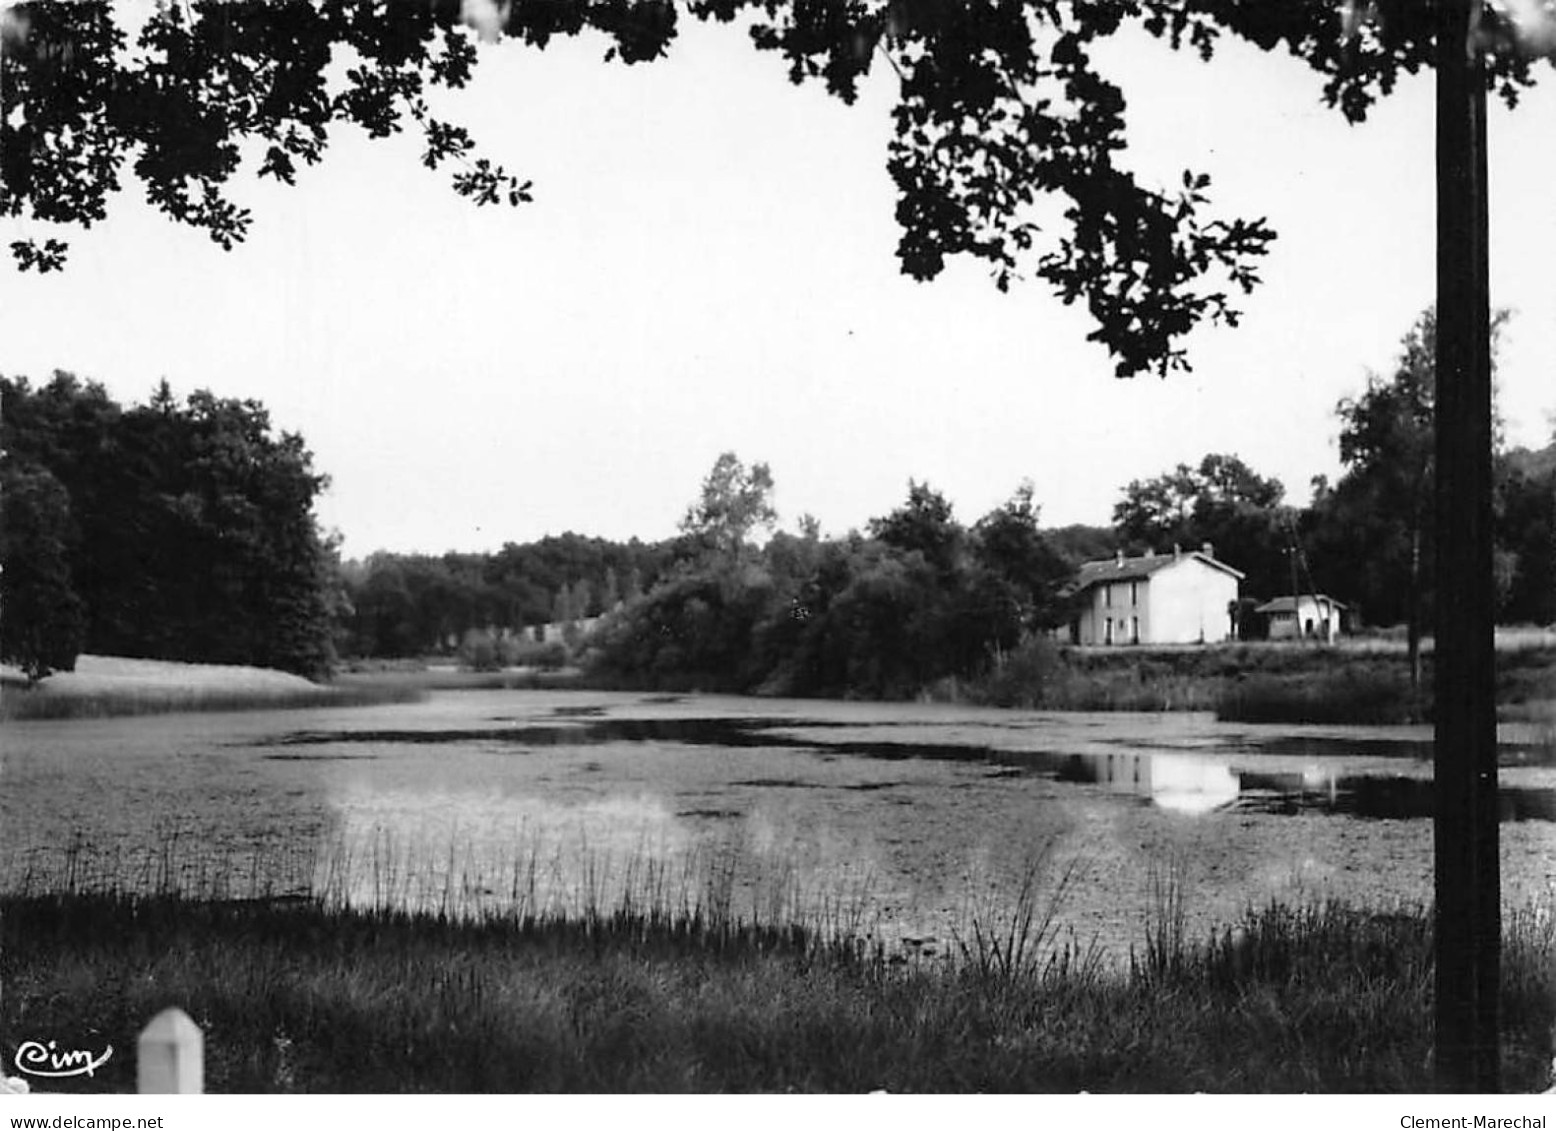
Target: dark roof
<point>1288,604</point>
<point>1134,569</point>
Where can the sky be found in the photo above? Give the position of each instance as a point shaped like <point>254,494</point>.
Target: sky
<point>709,265</point>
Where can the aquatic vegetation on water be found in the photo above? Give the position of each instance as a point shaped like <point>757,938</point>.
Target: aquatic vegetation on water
<point>484,800</point>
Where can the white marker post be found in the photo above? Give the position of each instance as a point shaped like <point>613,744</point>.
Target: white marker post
<point>170,1056</point>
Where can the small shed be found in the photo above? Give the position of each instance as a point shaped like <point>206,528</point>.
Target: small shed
<point>1308,616</point>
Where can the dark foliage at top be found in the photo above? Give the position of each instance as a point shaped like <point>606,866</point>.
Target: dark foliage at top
<point>999,107</point>
<point>179,532</point>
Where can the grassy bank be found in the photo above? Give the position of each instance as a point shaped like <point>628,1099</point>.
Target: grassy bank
<point>423,677</point>
<point>103,686</point>
<point>1356,682</point>
<point>298,996</point>
<point>1363,680</point>
<point>19,704</point>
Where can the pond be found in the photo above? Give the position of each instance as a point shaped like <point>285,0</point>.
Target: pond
<point>908,822</point>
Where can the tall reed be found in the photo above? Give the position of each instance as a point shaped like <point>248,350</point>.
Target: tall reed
<point>714,971</point>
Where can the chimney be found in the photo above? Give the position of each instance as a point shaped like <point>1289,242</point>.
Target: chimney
<point>1208,549</point>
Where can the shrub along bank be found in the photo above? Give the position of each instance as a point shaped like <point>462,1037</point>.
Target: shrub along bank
<point>1346,683</point>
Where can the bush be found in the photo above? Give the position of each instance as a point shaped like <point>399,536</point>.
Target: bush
<point>519,652</point>
<point>1355,693</point>
<point>1020,678</point>
<point>478,651</point>
<point>483,651</point>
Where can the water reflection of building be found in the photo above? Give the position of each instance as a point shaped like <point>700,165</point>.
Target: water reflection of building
<point>1183,783</point>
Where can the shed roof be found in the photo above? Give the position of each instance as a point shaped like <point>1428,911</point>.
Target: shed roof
<point>1135,569</point>
<point>1289,604</point>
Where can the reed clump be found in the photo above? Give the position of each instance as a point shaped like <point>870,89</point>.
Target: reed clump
<point>1357,694</point>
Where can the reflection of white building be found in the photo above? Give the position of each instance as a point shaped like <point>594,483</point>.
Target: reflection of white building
<point>1312,616</point>
<point>1177,598</point>
<point>1183,783</point>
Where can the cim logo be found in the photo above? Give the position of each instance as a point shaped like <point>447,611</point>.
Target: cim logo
<point>37,1059</point>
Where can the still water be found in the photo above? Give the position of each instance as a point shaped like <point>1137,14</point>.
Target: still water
<point>905,821</point>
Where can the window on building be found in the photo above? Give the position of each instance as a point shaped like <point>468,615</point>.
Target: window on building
<point>1134,592</point>
<point>1107,631</point>
<point>1134,630</point>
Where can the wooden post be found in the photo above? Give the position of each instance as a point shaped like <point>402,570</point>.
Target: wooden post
<point>170,1056</point>
<point>1468,883</point>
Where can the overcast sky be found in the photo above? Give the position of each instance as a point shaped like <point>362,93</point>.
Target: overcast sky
<point>709,265</point>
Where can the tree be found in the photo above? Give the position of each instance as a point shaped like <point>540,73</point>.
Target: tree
<point>381,617</point>
<point>411,604</point>
<point>74,430</point>
<point>735,500</point>
<point>1386,443</point>
<point>43,621</point>
<point>1220,501</point>
<point>999,106</point>
<point>1079,543</point>
<point>993,116</point>
<point>1008,542</point>
<point>695,629</point>
<point>1159,511</point>
<point>1383,506</point>
<point>610,591</point>
<point>889,615</point>
<point>193,533</point>
<point>1526,521</point>
<point>924,524</point>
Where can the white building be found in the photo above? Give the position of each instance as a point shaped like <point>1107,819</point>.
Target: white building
<point>1311,616</point>
<point>1176,598</point>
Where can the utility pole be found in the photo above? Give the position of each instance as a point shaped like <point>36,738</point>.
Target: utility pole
<point>1296,601</point>
<point>1468,883</point>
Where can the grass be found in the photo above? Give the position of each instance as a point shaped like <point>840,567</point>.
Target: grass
<point>17,704</point>
<point>1360,682</point>
<point>104,686</point>
<point>670,989</point>
<point>422,678</point>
